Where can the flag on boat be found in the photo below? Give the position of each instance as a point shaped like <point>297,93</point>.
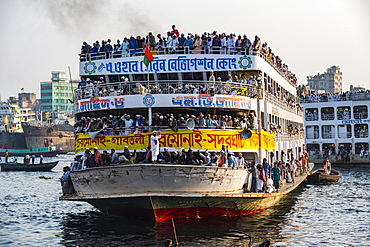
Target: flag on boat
<point>148,57</point>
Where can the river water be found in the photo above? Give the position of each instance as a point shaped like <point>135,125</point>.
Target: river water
<point>325,215</point>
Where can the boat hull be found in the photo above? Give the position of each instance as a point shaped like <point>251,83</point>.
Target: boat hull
<point>162,192</point>
<point>28,167</point>
<point>161,208</point>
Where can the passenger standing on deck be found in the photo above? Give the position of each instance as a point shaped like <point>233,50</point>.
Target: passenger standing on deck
<point>154,143</point>
<point>276,176</point>
<point>267,169</point>
<point>97,157</point>
<point>292,169</point>
<point>6,156</point>
<point>240,161</point>
<point>33,157</point>
<point>65,181</point>
<point>41,158</point>
<point>252,169</point>
<point>260,178</point>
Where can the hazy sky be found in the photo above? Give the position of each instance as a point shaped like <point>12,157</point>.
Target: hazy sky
<point>39,36</point>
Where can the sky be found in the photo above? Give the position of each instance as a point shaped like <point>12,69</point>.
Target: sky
<point>40,36</point>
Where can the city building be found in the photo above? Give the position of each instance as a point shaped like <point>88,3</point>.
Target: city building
<point>356,89</point>
<point>26,100</point>
<point>57,93</point>
<point>328,82</point>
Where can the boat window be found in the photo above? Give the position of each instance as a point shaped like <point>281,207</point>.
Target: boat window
<point>313,149</point>
<point>167,76</point>
<point>361,131</point>
<point>312,132</point>
<point>344,113</point>
<point>362,148</point>
<point>360,112</point>
<point>328,149</point>
<point>328,131</point>
<point>311,114</point>
<point>344,131</point>
<point>327,113</point>
<point>142,77</point>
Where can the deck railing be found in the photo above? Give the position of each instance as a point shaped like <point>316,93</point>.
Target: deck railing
<point>166,87</point>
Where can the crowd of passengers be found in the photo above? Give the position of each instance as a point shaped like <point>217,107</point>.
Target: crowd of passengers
<point>231,86</point>
<point>126,124</point>
<point>309,96</point>
<point>139,123</point>
<point>265,177</point>
<point>174,42</point>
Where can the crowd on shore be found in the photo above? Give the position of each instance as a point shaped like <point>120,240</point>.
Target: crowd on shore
<point>174,42</point>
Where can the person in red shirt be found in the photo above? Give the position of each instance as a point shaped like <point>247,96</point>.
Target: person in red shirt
<point>175,31</point>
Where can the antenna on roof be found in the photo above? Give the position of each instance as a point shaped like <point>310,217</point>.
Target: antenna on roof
<point>70,81</point>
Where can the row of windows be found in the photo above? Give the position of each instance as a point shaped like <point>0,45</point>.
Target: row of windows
<point>55,101</point>
<point>332,148</point>
<point>342,131</point>
<point>342,113</point>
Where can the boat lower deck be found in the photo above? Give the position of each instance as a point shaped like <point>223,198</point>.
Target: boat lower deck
<point>162,206</point>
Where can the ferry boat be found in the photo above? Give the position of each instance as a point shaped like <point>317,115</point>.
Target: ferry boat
<point>195,86</point>
<point>337,126</point>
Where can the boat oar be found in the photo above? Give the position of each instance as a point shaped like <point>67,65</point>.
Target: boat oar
<point>174,232</point>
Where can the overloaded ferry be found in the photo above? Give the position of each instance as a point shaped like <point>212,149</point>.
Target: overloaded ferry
<point>199,99</point>
<point>337,126</point>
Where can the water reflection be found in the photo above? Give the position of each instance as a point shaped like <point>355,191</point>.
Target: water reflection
<point>95,228</point>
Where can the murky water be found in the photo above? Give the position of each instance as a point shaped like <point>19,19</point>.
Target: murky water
<point>333,215</point>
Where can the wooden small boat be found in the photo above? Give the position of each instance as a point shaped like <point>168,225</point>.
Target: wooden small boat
<point>14,166</point>
<point>320,177</point>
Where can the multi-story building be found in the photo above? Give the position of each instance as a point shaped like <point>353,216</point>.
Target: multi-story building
<point>26,100</point>
<point>57,93</point>
<point>328,82</point>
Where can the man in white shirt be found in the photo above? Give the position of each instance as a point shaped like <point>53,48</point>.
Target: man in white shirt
<point>154,143</point>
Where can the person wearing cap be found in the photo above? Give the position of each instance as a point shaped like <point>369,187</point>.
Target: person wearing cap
<point>97,157</point>
<point>154,143</point>
<point>239,161</point>
<point>206,158</point>
<point>175,43</point>
<point>128,124</point>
